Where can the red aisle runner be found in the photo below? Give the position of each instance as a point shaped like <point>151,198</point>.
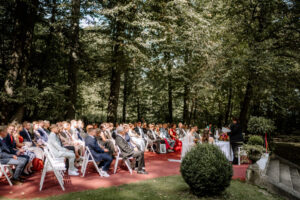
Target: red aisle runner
<point>157,166</point>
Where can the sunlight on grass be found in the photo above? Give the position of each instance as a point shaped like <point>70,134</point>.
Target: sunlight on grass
<point>172,187</point>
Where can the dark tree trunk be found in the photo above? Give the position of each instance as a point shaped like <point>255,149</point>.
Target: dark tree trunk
<point>25,19</point>
<point>220,118</point>
<point>228,106</point>
<point>185,104</point>
<point>170,89</point>
<point>139,118</point>
<point>114,95</point>
<point>191,113</point>
<point>125,95</point>
<point>117,64</point>
<point>246,105</point>
<point>194,112</point>
<point>73,59</point>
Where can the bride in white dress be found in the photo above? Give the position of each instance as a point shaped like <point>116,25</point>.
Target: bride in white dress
<point>188,142</point>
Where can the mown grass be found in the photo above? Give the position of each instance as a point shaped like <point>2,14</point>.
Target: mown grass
<point>172,187</point>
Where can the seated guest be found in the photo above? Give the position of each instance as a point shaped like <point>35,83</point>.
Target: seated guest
<point>106,140</point>
<point>74,131</point>
<point>180,130</point>
<point>11,144</point>
<point>42,132</point>
<point>25,132</point>
<point>174,136</point>
<point>59,151</point>
<point>142,131</point>
<point>47,127</point>
<point>153,136</point>
<point>30,144</point>
<point>39,136</point>
<point>18,144</point>
<point>139,130</point>
<point>168,140</point>
<point>8,158</point>
<point>80,126</point>
<point>127,151</point>
<point>76,138</point>
<point>145,128</point>
<point>206,138</point>
<point>196,134</point>
<point>99,154</point>
<point>68,141</point>
<point>136,139</point>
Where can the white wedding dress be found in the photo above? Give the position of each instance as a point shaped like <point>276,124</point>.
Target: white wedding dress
<point>187,144</point>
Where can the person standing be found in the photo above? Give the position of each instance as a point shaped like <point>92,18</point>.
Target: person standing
<point>236,138</point>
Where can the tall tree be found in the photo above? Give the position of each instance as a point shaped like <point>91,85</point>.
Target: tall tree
<point>73,59</point>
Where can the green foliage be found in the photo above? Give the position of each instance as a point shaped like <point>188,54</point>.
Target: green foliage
<point>191,61</point>
<point>260,125</point>
<point>206,170</point>
<point>255,140</point>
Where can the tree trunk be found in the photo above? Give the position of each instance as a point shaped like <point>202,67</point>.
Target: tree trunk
<point>138,110</point>
<point>25,19</point>
<point>73,59</point>
<point>191,113</point>
<point>228,106</point>
<point>125,95</point>
<point>246,105</point>
<point>185,104</point>
<point>113,100</point>
<point>170,89</point>
<point>117,64</point>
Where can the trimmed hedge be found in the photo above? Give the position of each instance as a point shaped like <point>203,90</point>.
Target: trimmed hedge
<point>206,170</point>
<point>255,140</point>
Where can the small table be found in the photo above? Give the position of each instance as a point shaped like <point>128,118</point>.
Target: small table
<point>225,147</point>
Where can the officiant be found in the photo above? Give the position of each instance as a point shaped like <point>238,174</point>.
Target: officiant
<point>236,138</point>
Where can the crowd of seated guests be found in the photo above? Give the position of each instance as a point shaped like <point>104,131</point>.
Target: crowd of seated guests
<point>20,144</point>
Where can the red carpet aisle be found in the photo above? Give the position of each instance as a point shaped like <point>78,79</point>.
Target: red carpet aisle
<point>156,165</point>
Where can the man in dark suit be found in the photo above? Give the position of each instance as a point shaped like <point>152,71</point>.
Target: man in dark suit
<point>25,132</point>
<point>236,138</point>
<point>8,158</point>
<point>98,153</point>
<point>128,151</point>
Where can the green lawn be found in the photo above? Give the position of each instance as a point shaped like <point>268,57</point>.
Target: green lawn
<point>172,187</point>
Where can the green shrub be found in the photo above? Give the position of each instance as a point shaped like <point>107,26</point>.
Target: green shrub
<point>206,170</point>
<point>260,125</point>
<point>255,140</point>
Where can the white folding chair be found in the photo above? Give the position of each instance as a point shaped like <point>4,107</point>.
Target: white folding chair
<point>88,157</point>
<point>52,164</point>
<point>3,170</point>
<point>120,157</point>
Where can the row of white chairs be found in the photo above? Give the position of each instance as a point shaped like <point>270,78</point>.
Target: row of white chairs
<point>57,165</point>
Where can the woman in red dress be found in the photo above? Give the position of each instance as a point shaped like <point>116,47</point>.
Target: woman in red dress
<point>174,136</point>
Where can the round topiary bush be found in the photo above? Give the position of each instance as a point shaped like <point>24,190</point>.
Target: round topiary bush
<point>255,140</point>
<point>206,170</point>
